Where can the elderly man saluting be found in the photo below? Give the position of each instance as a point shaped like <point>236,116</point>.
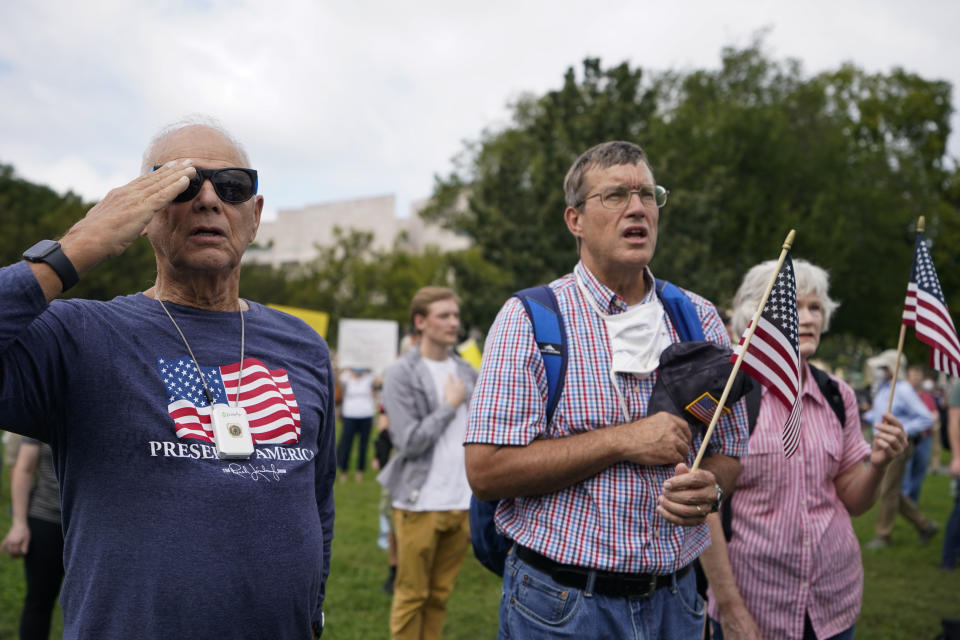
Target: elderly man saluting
<point>606,515</point>
<point>192,430</point>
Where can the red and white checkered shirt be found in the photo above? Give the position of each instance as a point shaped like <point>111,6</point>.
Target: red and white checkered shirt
<point>608,521</point>
<point>793,548</point>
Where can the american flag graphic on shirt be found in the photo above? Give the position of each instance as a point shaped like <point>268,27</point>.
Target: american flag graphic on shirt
<point>265,394</point>
<point>926,310</point>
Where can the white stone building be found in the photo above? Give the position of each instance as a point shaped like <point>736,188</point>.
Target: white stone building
<point>291,239</point>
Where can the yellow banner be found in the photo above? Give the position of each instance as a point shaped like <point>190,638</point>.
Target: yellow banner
<point>470,352</point>
<point>318,320</point>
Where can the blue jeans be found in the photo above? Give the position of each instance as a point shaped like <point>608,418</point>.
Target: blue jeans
<point>532,605</point>
<point>808,633</point>
<point>354,428</point>
<point>951,538</point>
<point>916,470</point>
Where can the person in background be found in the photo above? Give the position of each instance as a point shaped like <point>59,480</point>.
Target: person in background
<point>356,412</point>
<point>941,440</point>
<point>11,446</point>
<point>426,393</point>
<point>909,409</point>
<point>951,538</point>
<point>383,447</point>
<point>36,535</point>
<point>916,468</point>
<point>791,569</point>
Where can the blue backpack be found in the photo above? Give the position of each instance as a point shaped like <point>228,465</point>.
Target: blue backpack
<point>489,545</point>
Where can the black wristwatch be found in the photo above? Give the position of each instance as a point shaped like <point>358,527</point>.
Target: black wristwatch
<point>318,626</point>
<point>49,251</point>
<point>716,505</point>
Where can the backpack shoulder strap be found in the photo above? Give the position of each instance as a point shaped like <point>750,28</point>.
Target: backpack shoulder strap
<point>831,391</point>
<point>683,315</point>
<point>541,306</point>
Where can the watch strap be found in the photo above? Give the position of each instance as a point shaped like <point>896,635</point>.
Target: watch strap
<point>716,505</point>
<point>51,252</point>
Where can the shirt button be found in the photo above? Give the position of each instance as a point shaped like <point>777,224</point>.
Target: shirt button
<point>803,585</point>
<point>806,543</point>
<point>803,501</point>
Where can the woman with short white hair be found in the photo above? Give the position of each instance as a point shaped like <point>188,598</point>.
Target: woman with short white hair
<point>791,568</point>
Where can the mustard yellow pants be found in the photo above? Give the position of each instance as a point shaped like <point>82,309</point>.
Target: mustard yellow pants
<point>431,546</point>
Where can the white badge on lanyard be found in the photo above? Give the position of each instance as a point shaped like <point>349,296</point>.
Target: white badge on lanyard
<point>231,432</point>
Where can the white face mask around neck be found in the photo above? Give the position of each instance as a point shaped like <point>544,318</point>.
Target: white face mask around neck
<point>637,338</point>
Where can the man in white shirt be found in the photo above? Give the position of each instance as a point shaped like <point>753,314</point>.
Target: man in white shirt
<point>426,394</point>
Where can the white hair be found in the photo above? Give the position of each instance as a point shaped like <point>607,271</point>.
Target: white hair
<point>192,120</point>
<point>811,281</point>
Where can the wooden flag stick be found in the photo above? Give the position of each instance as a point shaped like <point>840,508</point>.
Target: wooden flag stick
<point>896,369</point>
<point>921,223</point>
<point>743,349</point>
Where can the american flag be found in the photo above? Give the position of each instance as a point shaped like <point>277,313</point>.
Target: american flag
<point>926,310</point>
<point>773,356</point>
<point>704,407</point>
<point>265,394</point>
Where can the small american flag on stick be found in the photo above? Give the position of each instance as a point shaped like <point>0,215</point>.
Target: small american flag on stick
<point>265,394</point>
<point>925,309</point>
<point>773,354</point>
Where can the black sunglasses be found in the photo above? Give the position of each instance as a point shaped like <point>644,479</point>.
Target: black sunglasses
<point>233,184</point>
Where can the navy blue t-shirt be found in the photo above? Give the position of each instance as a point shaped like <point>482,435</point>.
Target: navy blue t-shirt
<point>162,538</point>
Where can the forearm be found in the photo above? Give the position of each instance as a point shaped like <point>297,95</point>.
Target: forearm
<point>115,222</point>
<point>412,436</point>
<point>716,566</point>
<point>412,429</point>
<point>541,467</point>
<point>858,488</point>
<point>21,482</point>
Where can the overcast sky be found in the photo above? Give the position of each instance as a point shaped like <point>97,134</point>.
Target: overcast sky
<point>338,100</point>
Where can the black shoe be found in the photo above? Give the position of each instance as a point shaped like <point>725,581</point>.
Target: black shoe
<point>928,533</point>
<point>388,585</point>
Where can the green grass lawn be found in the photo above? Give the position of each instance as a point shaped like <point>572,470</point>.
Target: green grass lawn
<point>905,593</point>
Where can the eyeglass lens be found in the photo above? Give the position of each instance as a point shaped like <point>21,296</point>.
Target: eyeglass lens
<point>232,185</point>
<point>617,197</point>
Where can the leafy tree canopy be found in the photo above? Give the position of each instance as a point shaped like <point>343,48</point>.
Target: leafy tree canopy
<point>749,150</point>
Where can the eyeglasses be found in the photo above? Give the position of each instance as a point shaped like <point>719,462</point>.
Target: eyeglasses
<point>232,184</point>
<point>619,196</point>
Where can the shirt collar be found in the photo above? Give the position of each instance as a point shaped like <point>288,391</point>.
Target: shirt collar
<point>604,296</point>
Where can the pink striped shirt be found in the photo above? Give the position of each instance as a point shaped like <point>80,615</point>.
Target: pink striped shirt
<point>608,521</point>
<point>793,548</point>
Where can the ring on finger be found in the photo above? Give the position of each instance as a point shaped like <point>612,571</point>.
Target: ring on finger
<point>699,510</point>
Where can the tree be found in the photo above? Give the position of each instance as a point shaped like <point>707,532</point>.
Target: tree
<point>749,150</point>
<point>512,179</point>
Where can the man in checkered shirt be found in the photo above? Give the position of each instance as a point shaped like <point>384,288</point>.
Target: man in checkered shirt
<point>601,503</point>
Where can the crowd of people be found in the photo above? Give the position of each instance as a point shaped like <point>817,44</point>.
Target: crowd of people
<point>192,432</point>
